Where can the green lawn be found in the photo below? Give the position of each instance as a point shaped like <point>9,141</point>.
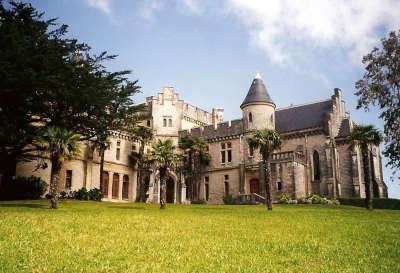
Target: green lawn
<point>128,237</point>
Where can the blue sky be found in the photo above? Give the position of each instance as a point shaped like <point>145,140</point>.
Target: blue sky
<point>210,50</point>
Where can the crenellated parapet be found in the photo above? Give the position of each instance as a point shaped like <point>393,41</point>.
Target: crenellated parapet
<point>222,131</point>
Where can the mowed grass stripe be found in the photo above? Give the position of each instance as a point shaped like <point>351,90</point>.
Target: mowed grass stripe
<point>131,237</point>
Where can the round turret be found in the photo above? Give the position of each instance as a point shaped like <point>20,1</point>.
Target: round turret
<point>258,108</point>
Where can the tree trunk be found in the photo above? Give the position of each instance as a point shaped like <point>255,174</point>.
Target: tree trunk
<point>368,184</point>
<point>102,150</point>
<point>54,178</point>
<point>139,184</point>
<point>163,191</point>
<point>267,177</point>
<point>196,173</point>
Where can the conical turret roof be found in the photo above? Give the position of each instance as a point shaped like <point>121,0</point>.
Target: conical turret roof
<point>257,92</point>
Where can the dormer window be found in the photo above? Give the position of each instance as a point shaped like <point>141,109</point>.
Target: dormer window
<point>250,117</point>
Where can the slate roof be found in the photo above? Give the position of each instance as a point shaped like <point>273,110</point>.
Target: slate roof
<point>302,117</point>
<point>287,120</point>
<point>257,93</point>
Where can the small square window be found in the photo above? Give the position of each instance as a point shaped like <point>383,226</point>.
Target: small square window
<point>226,177</point>
<point>222,145</point>
<point>229,145</point>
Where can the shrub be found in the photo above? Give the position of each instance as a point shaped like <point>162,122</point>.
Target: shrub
<point>63,195</point>
<point>24,188</point>
<point>230,200</point>
<point>377,203</point>
<point>315,199</point>
<point>82,194</point>
<point>95,194</point>
<point>198,201</point>
<point>283,198</point>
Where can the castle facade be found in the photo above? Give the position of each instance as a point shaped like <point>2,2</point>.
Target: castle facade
<point>317,156</point>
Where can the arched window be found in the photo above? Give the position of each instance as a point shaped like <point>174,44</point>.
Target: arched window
<point>250,117</point>
<point>316,165</point>
<point>272,118</point>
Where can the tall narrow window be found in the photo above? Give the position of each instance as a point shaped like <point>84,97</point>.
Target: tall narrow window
<point>68,179</point>
<point>251,151</point>
<point>226,152</point>
<point>118,151</point>
<point>316,165</point>
<point>207,187</point>
<point>250,117</point>
<point>226,185</point>
<point>279,185</point>
<point>170,122</point>
<point>165,122</point>
<point>148,123</point>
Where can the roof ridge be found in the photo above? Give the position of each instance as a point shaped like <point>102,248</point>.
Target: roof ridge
<point>303,104</point>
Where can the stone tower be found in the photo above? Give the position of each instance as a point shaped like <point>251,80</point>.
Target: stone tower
<point>258,109</point>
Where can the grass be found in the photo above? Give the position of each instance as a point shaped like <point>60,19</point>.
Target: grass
<point>129,237</point>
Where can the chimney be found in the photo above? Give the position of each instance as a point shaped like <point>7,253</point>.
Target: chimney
<point>217,116</point>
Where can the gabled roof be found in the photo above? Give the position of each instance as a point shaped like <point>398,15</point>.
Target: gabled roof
<point>257,92</point>
<point>303,116</point>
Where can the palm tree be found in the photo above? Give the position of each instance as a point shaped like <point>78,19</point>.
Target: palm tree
<point>143,135</point>
<point>266,140</point>
<point>60,144</point>
<point>101,143</point>
<point>196,150</point>
<point>164,158</point>
<point>365,136</point>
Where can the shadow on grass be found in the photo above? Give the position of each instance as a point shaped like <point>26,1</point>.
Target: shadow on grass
<point>14,205</point>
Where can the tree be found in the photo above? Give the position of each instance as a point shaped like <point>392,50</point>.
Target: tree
<point>197,156</point>
<point>380,86</point>
<point>365,136</point>
<point>49,80</point>
<point>59,144</point>
<point>143,135</point>
<point>266,140</point>
<point>164,158</point>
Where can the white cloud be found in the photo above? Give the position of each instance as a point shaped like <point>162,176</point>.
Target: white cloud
<point>194,6</point>
<point>291,29</point>
<point>149,8</point>
<point>103,5</point>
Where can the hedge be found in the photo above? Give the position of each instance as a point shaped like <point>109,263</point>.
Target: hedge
<point>377,203</point>
<point>23,188</point>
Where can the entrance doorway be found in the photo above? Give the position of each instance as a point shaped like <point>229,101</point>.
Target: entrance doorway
<point>255,186</point>
<point>115,186</point>
<point>104,186</point>
<point>170,190</point>
<point>125,187</point>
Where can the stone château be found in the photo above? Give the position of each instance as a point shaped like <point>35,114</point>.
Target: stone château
<point>317,156</point>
